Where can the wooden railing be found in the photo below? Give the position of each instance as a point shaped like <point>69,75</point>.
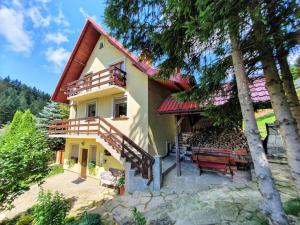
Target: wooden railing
<point>133,153</point>
<point>110,76</point>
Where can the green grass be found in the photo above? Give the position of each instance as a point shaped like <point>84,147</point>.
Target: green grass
<point>261,123</point>
<point>55,169</point>
<point>292,207</point>
<point>298,92</point>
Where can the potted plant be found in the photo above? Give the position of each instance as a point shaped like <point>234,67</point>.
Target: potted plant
<point>120,185</point>
<point>70,163</point>
<point>92,168</point>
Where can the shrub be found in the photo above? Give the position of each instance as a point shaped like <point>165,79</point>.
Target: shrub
<point>138,217</point>
<point>92,168</point>
<point>292,207</point>
<point>25,219</point>
<point>70,163</point>
<point>24,158</point>
<point>87,219</point>
<point>51,209</point>
<point>121,181</point>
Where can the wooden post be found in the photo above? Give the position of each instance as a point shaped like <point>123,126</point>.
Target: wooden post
<point>178,166</point>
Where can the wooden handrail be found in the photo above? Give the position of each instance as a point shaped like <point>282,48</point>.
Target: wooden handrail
<point>116,76</point>
<point>139,158</point>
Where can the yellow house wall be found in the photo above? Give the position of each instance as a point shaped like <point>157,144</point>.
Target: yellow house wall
<point>161,127</point>
<point>101,165</point>
<point>136,126</point>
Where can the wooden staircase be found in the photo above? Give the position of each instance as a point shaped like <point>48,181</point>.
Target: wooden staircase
<point>112,139</point>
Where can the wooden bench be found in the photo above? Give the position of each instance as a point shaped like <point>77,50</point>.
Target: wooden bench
<point>218,159</point>
<point>238,157</point>
<point>213,164</point>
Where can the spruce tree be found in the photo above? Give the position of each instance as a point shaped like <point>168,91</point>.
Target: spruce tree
<point>52,111</point>
<point>183,33</point>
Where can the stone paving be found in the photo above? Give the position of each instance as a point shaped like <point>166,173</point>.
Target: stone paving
<point>191,199</point>
<point>195,200</point>
<point>84,194</point>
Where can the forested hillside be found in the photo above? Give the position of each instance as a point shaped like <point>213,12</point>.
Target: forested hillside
<point>17,96</point>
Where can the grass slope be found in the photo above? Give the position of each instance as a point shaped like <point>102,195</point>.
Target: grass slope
<point>261,123</point>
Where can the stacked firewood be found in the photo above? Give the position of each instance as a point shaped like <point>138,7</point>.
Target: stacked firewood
<point>229,138</point>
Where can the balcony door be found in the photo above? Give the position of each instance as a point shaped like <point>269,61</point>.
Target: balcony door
<point>84,156</point>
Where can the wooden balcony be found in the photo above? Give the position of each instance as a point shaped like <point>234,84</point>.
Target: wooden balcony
<point>99,127</point>
<point>105,82</point>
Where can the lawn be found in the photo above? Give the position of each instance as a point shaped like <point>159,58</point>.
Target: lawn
<point>55,169</point>
<point>268,118</point>
<point>261,123</point>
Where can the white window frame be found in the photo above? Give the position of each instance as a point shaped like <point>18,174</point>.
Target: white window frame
<point>90,103</point>
<point>103,42</point>
<point>115,98</point>
<point>122,59</point>
<point>78,151</point>
<point>90,149</point>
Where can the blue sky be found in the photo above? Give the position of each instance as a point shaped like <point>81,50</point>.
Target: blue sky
<point>37,36</point>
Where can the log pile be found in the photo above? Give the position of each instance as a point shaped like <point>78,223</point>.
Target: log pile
<point>232,138</point>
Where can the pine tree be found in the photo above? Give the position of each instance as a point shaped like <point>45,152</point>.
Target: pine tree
<point>52,111</point>
<point>16,96</point>
<point>284,117</point>
<point>180,34</point>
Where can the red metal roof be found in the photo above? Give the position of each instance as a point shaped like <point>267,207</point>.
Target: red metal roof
<point>171,106</point>
<point>258,92</point>
<point>82,51</point>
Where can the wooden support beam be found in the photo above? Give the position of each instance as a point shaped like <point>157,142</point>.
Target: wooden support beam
<point>178,123</point>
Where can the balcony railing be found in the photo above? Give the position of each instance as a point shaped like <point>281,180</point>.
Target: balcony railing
<point>96,81</point>
<point>133,153</point>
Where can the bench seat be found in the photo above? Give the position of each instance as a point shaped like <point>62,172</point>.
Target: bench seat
<point>213,165</point>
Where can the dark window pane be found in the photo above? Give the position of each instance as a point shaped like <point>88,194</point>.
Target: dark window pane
<point>91,110</point>
<point>120,107</point>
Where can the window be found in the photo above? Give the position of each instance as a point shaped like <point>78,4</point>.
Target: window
<point>91,110</point>
<point>120,65</point>
<point>120,107</point>
<point>75,152</point>
<point>93,150</point>
<point>101,44</point>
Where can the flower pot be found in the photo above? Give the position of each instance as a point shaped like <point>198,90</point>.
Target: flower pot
<point>122,190</point>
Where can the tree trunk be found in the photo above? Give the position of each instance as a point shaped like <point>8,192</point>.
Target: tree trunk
<point>272,203</point>
<point>289,88</point>
<point>287,123</point>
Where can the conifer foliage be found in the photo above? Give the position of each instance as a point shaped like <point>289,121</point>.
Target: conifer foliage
<point>52,111</point>
<point>17,96</point>
<point>24,157</point>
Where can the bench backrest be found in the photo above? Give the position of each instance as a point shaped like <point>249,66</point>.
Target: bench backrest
<point>240,155</point>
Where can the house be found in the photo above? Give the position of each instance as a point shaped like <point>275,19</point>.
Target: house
<point>113,98</point>
<point>122,117</point>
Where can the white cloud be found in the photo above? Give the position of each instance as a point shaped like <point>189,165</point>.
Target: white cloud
<point>12,29</point>
<point>57,38</point>
<point>85,14</point>
<point>57,56</point>
<point>60,19</point>
<point>37,18</point>
<point>17,3</point>
<point>43,1</point>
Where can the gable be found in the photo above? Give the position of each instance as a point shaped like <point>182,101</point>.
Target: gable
<point>104,57</point>
<point>81,54</point>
